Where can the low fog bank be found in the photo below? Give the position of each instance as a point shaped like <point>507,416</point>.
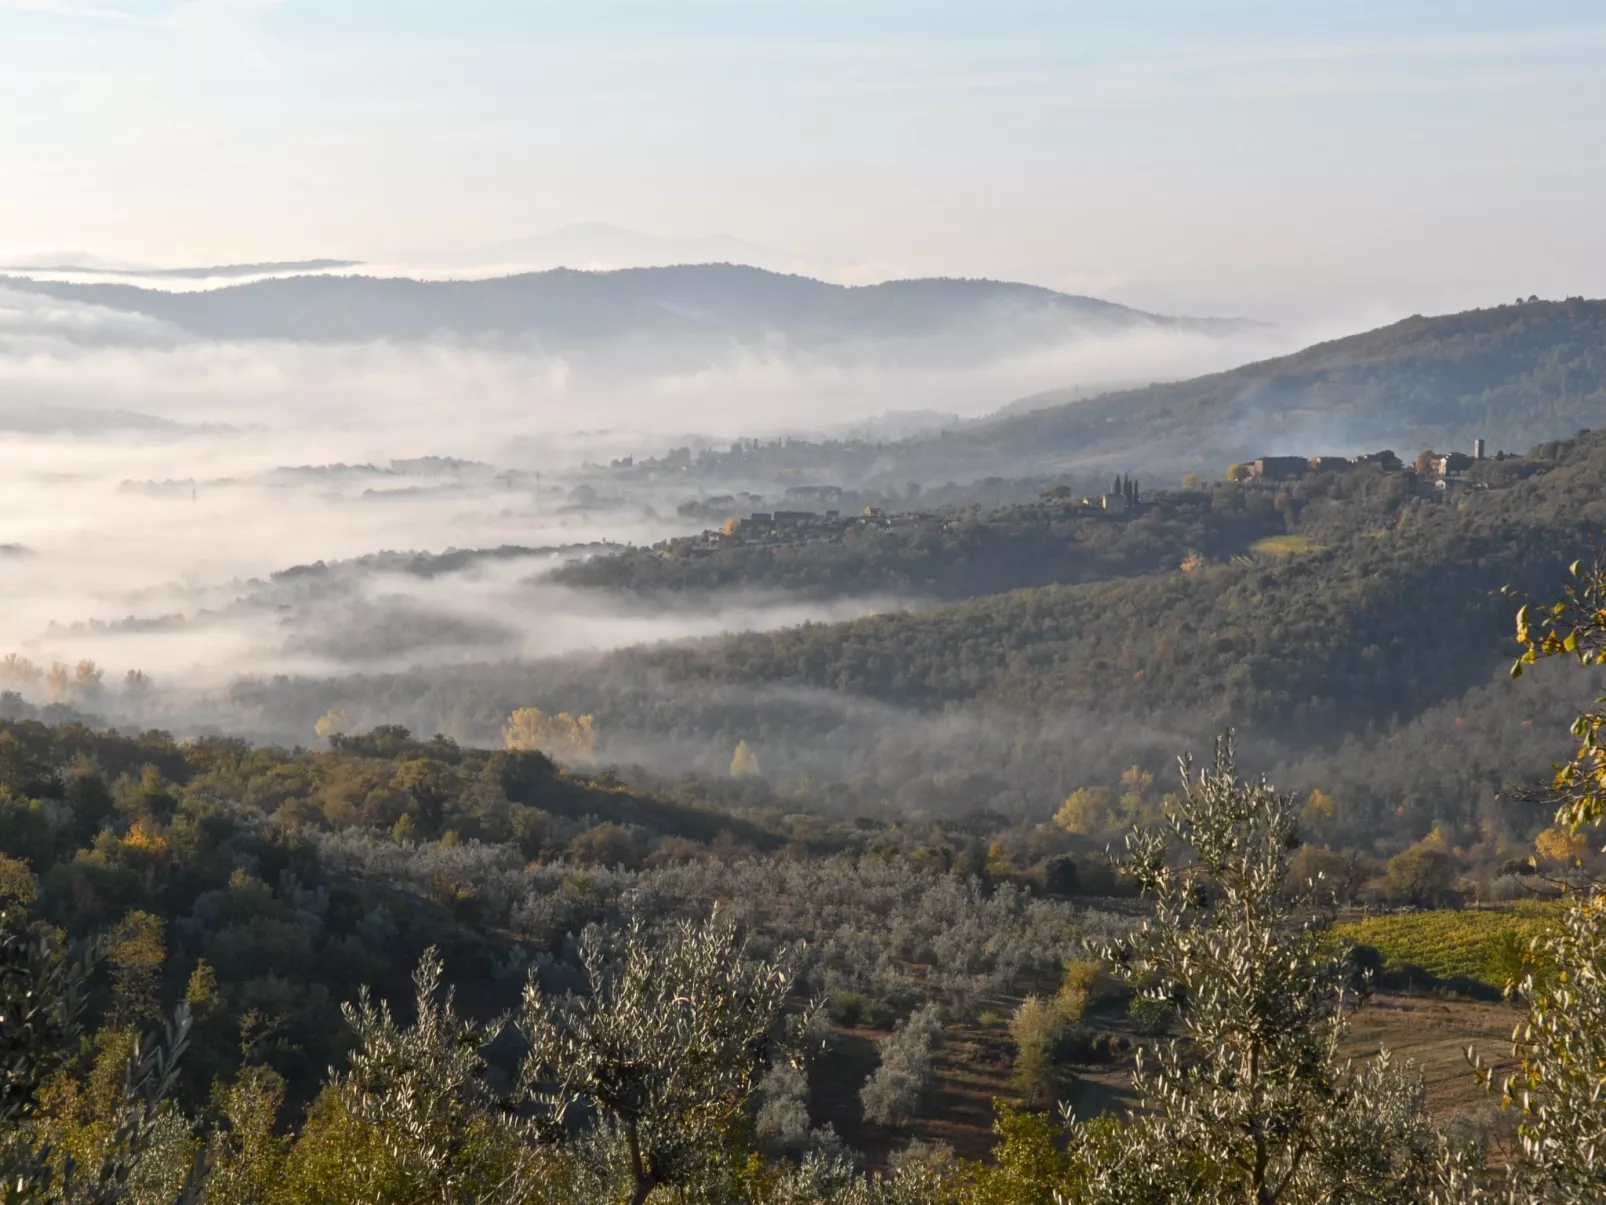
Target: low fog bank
<point>162,592</point>
<point>193,530</point>
<point>152,482</point>
<point>467,397</point>
<point>1460,764</point>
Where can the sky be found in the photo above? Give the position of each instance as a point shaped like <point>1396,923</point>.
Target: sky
<point>1279,158</point>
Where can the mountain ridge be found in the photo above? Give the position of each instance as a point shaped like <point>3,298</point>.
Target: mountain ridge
<point>565,305</point>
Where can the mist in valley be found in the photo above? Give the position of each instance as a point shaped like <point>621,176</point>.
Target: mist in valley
<point>244,535</point>
<point>200,510</point>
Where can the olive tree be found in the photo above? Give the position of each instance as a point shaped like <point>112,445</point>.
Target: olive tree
<point>1250,1101</point>
<point>667,1045</point>
<point>893,1091</point>
<point>41,999</point>
<point>414,1117</point>
<point>1561,1045</point>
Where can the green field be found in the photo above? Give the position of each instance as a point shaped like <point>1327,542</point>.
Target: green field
<point>1486,945</point>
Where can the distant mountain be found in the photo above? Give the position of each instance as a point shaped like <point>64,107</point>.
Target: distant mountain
<point>598,246</point>
<point>1512,375</point>
<point>696,309</point>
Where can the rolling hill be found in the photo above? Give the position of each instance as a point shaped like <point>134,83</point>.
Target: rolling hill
<point>1377,623</point>
<point>707,304</point>
<point>1510,374</point>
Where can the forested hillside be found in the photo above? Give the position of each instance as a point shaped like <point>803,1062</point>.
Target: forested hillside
<point>1373,626</point>
<point>951,553</point>
<point>737,997</point>
<point>266,885</point>
<point>789,993</point>
<point>1511,375</point>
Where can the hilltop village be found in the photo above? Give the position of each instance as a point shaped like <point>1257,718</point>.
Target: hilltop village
<point>797,528</point>
<point>1448,470</point>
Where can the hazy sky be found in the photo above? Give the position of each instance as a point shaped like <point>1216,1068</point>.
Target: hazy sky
<point>1247,155</point>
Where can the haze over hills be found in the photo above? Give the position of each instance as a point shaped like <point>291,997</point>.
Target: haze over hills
<point>509,712</point>
<point>1510,374</point>
<point>1375,625</point>
<point>703,306</point>
<point>583,246</point>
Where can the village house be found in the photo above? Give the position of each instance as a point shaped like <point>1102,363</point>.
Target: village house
<point>1279,468</point>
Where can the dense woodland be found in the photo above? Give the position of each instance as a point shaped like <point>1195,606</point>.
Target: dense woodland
<point>297,876</point>
<point>956,554</point>
<point>1380,616</point>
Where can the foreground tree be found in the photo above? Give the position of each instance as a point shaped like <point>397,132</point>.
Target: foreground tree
<point>1559,1087</point>
<point>1251,1102</point>
<point>668,1046</point>
<point>414,1118</point>
<point>135,1140</point>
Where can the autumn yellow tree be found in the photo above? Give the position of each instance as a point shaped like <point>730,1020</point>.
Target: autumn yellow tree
<point>1319,812</point>
<point>744,762</point>
<point>135,952</point>
<point>1086,811</point>
<point>1136,806</point>
<point>17,672</point>
<point>58,683</point>
<point>1561,1043</point>
<point>88,681</point>
<point>332,723</point>
<point>1557,844</point>
<point>83,682</point>
<point>18,886</point>
<point>563,737</point>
